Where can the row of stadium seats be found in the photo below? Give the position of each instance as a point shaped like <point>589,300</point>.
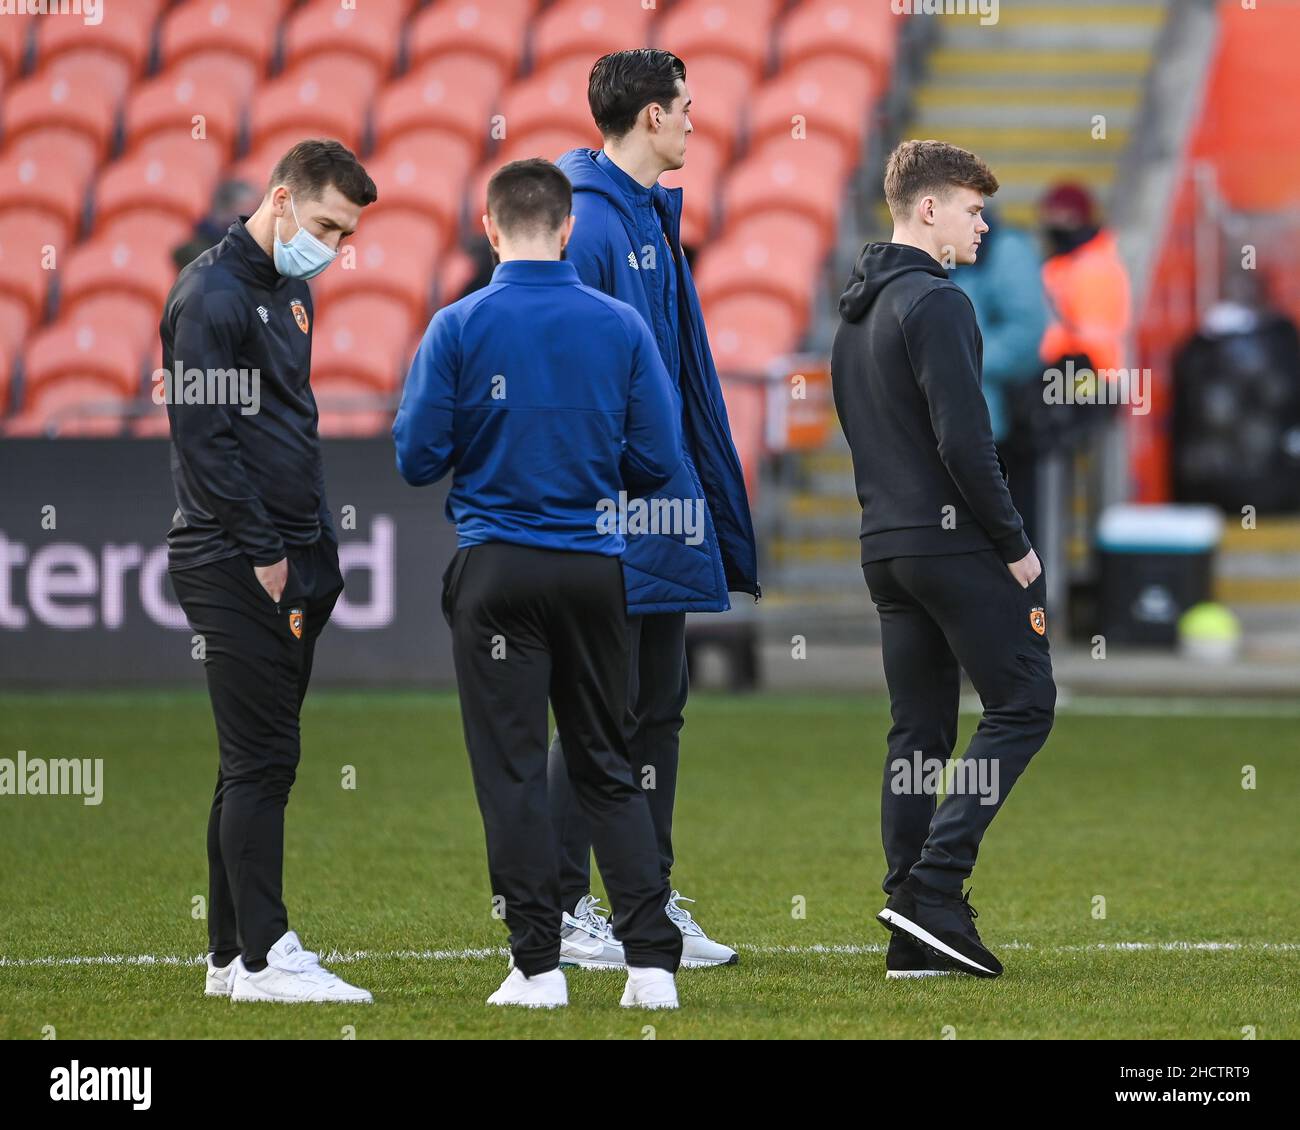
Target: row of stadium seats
<point>116,136</point>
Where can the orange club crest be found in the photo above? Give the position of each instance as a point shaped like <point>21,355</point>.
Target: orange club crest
<point>1038,620</point>
<point>299,314</point>
<point>295,622</point>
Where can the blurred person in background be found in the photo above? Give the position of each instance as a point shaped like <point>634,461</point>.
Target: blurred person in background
<point>1005,286</point>
<point>233,198</point>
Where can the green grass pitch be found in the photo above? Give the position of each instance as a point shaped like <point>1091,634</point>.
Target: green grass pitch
<point>777,809</point>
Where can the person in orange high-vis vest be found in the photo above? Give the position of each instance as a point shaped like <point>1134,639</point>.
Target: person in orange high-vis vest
<point>1085,281</point>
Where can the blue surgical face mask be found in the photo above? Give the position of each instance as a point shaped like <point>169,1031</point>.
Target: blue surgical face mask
<point>304,256</point>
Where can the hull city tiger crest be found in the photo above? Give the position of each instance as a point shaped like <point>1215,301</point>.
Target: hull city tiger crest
<point>299,314</point>
<point>295,622</point>
<point>1038,620</point>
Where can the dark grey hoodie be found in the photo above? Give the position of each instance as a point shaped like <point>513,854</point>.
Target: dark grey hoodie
<point>905,370</point>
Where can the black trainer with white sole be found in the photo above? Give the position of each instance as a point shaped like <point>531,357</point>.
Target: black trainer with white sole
<point>944,924</point>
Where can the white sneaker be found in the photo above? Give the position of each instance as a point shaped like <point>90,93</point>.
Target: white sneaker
<point>698,950</point>
<point>220,978</point>
<point>587,940</point>
<point>293,975</point>
<point>542,990</point>
<point>649,988</point>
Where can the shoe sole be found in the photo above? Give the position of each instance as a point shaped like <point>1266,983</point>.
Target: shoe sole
<point>650,1004</point>
<point>529,1004</point>
<point>216,992</point>
<point>896,922</point>
<point>589,963</point>
<point>709,962</point>
<point>297,1000</point>
<point>900,974</point>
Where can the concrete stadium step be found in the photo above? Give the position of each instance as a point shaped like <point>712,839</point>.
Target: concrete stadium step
<point>1065,69</point>
<point>1042,143</point>
<point>1047,36</point>
<point>1027,113</point>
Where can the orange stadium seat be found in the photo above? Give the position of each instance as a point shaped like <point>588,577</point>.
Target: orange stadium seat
<point>171,102</point>
<point>370,31</point>
<point>778,254</point>
<point>72,406</point>
<point>806,177</point>
<point>101,266</point>
<point>146,230</point>
<point>867,33</point>
<point>235,72</point>
<point>129,314</point>
<point>749,331</point>
<point>590,29</point>
<point>25,236</point>
<point>555,98</point>
<point>395,254</point>
<point>493,29</point>
<point>6,369</point>
<point>177,147</point>
<point>740,29</point>
<point>423,172</point>
<point>175,184</point>
<point>698,180</point>
<point>15,322</point>
<point>49,170</point>
<point>66,350</point>
<point>833,95</point>
<point>69,103</point>
<point>362,337</point>
<point>241,27</point>
<point>349,407</point>
<point>548,143</point>
<point>721,88</point>
<point>314,104</point>
<point>112,52</point>
<point>452,92</point>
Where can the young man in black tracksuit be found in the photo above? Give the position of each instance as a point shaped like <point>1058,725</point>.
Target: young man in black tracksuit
<point>953,577</point>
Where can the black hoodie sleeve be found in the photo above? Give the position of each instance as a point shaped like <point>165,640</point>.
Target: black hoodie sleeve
<point>208,326</point>
<point>941,335</point>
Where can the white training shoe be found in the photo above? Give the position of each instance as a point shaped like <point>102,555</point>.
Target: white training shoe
<point>541,990</point>
<point>294,975</point>
<point>649,988</point>
<point>587,940</point>
<point>220,978</point>
<point>698,950</point>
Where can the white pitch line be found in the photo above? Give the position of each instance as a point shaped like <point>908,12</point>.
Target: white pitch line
<point>336,957</point>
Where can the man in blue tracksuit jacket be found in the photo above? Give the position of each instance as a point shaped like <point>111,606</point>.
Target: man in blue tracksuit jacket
<point>627,243</point>
<point>548,400</point>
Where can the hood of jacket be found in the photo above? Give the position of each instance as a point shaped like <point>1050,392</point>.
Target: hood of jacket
<point>879,265</point>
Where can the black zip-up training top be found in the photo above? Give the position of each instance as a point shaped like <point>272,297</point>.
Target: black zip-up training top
<point>245,483</point>
<point>905,370</point>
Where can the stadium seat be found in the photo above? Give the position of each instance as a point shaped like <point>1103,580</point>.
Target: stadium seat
<point>351,408</point>
<point>15,36</point>
<point>590,29</point>
<point>113,51</point>
<point>739,29</point>
<point>105,311</point>
<point>171,102</point>
<point>15,323</point>
<point>108,72</point>
<point>493,29</point>
<point>423,172</point>
<point>70,407</point>
<point>65,350</point>
<point>209,69</point>
<point>866,33</point>
<point>362,337</point>
<point>241,27</point>
<point>370,31</point>
<point>548,143</point>
<point>832,94</point>
<point>101,266</point>
<point>25,234</point>
<point>554,98</point>
<point>177,147</point>
<point>146,230</point>
<point>314,103</point>
<point>452,92</point>
<point>394,254</point>
<point>176,185</point>
<point>699,180</point>
<point>778,254</point>
<point>70,103</point>
<point>806,177</point>
<point>50,172</point>
<point>749,331</point>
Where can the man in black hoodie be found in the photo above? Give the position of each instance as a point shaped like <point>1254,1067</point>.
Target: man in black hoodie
<point>944,553</point>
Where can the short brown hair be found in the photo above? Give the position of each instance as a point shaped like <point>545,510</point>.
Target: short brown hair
<point>529,198</point>
<point>311,166</point>
<point>920,168</point>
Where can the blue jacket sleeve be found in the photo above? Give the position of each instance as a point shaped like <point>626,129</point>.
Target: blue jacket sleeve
<point>1011,342</point>
<point>588,247</point>
<point>653,425</point>
<point>423,429</point>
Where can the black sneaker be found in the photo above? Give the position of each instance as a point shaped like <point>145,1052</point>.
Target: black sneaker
<point>944,924</point>
<point>907,958</point>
